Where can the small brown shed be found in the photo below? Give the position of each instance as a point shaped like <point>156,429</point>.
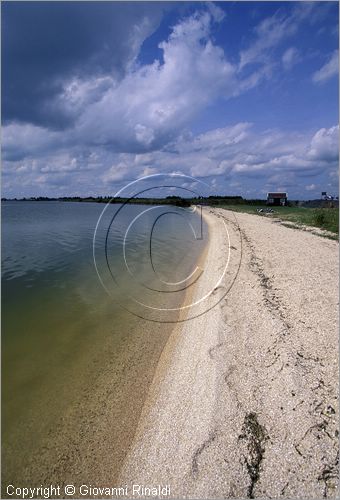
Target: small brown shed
<point>277,199</point>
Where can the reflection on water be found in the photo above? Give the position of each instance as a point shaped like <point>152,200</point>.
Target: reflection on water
<point>57,319</point>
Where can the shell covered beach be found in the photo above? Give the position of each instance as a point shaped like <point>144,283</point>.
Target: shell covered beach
<point>244,402</point>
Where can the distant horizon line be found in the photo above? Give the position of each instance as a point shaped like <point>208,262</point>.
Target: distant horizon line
<point>169,198</point>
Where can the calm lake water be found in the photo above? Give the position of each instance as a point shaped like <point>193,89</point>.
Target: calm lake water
<point>57,318</point>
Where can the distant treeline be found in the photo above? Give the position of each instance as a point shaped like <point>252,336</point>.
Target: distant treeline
<point>169,200</point>
<point>214,200</point>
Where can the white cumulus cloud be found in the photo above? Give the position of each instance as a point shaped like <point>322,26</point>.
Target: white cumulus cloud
<point>154,102</point>
<point>325,144</point>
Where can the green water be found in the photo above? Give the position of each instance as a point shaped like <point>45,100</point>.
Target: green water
<point>69,349</point>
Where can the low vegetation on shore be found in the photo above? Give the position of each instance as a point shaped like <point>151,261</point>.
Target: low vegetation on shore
<point>323,218</point>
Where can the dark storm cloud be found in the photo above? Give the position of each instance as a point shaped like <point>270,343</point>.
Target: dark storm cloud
<point>46,43</point>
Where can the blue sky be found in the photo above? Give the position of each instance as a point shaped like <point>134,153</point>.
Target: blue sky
<point>242,95</point>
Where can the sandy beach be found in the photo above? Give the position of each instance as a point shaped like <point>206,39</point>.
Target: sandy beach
<point>244,401</point>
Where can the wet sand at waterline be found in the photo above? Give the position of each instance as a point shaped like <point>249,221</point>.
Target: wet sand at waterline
<point>244,401</point>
